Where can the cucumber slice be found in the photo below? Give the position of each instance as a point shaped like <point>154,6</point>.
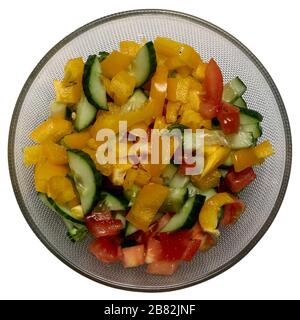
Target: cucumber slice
<point>130,229</point>
<point>249,116</point>
<point>63,211</point>
<point>179,181</point>
<point>102,55</point>
<point>233,89</point>
<point>254,128</point>
<point>87,178</point>
<point>168,173</point>
<point>85,115</point>
<point>241,140</point>
<point>137,100</point>
<point>131,194</point>
<point>144,64</point>
<point>175,200</point>
<point>93,87</point>
<point>111,202</point>
<point>240,102</point>
<point>122,218</point>
<point>187,216</point>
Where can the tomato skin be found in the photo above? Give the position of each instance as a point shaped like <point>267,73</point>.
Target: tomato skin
<point>174,244</point>
<point>232,212</point>
<point>154,251</point>
<point>213,83</point>
<point>229,118</point>
<point>191,250</point>
<point>236,181</point>
<point>102,224</point>
<point>106,249</point>
<point>164,268</point>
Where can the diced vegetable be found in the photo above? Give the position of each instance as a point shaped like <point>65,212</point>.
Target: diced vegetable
<point>144,64</point>
<point>133,256</point>
<point>208,217</point>
<point>114,63</point>
<point>93,87</point>
<point>52,129</point>
<point>87,178</point>
<point>106,249</point>
<point>146,206</point>
<point>237,181</point>
<point>164,268</point>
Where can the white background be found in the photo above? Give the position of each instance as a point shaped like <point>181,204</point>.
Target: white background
<point>29,29</point>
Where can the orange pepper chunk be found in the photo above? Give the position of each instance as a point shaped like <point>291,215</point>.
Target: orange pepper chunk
<point>77,140</point>
<point>158,90</point>
<point>52,129</point>
<point>115,63</point>
<point>122,85</point>
<point>130,48</point>
<point>146,205</point>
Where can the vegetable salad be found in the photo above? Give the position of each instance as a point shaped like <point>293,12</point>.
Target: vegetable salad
<point>152,214</point>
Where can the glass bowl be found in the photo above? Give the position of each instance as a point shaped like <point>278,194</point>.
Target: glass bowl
<point>263,198</point>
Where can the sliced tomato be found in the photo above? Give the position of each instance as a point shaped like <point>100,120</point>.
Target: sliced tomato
<point>229,118</point>
<point>232,212</point>
<point>209,109</point>
<point>154,251</point>
<point>191,250</point>
<point>213,82</point>
<point>174,244</point>
<point>133,256</point>
<point>102,224</point>
<point>164,268</point>
<point>236,181</point>
<point>106,249</point>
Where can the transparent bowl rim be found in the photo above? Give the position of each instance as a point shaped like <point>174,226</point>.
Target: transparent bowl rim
<point>115,17</point>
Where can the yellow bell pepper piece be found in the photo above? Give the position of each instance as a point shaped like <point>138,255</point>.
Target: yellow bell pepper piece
<point>77,140</point>
<point>199,71</point>
<point>214,156</point>
<point>69,89</point>
<point>44,171</point>
<point>194,120</point>
<point>122,85</point>
<point>60,189</point>
<point>158,90</point>
<point>107,85</point>
<point>55,153</point>
<point>115,63</point>
<point>173,63</point>
<point>32,154</point>
<point>263,150</point>
<point>186,53</point>
<point>73,72</point>
<point>74,202</point>
<point>130,177</point>
<point>67,94</point>
<point>146,205</point>
<point>140,125</point>
<point>130,48</point>
<point>208,216</point>
<point>209,181</point>
<point>160,59</point>
<point>193,102</point>
<point>77,212</point>
<point>118,173</point>
<point>51,130</point>
<point>184,71</point>
<point>172,111</point>
<point>160,123</point>
<point>249,157</point>
<point>143,177</point>
<point>93,144</point>
<point>178,89</point>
